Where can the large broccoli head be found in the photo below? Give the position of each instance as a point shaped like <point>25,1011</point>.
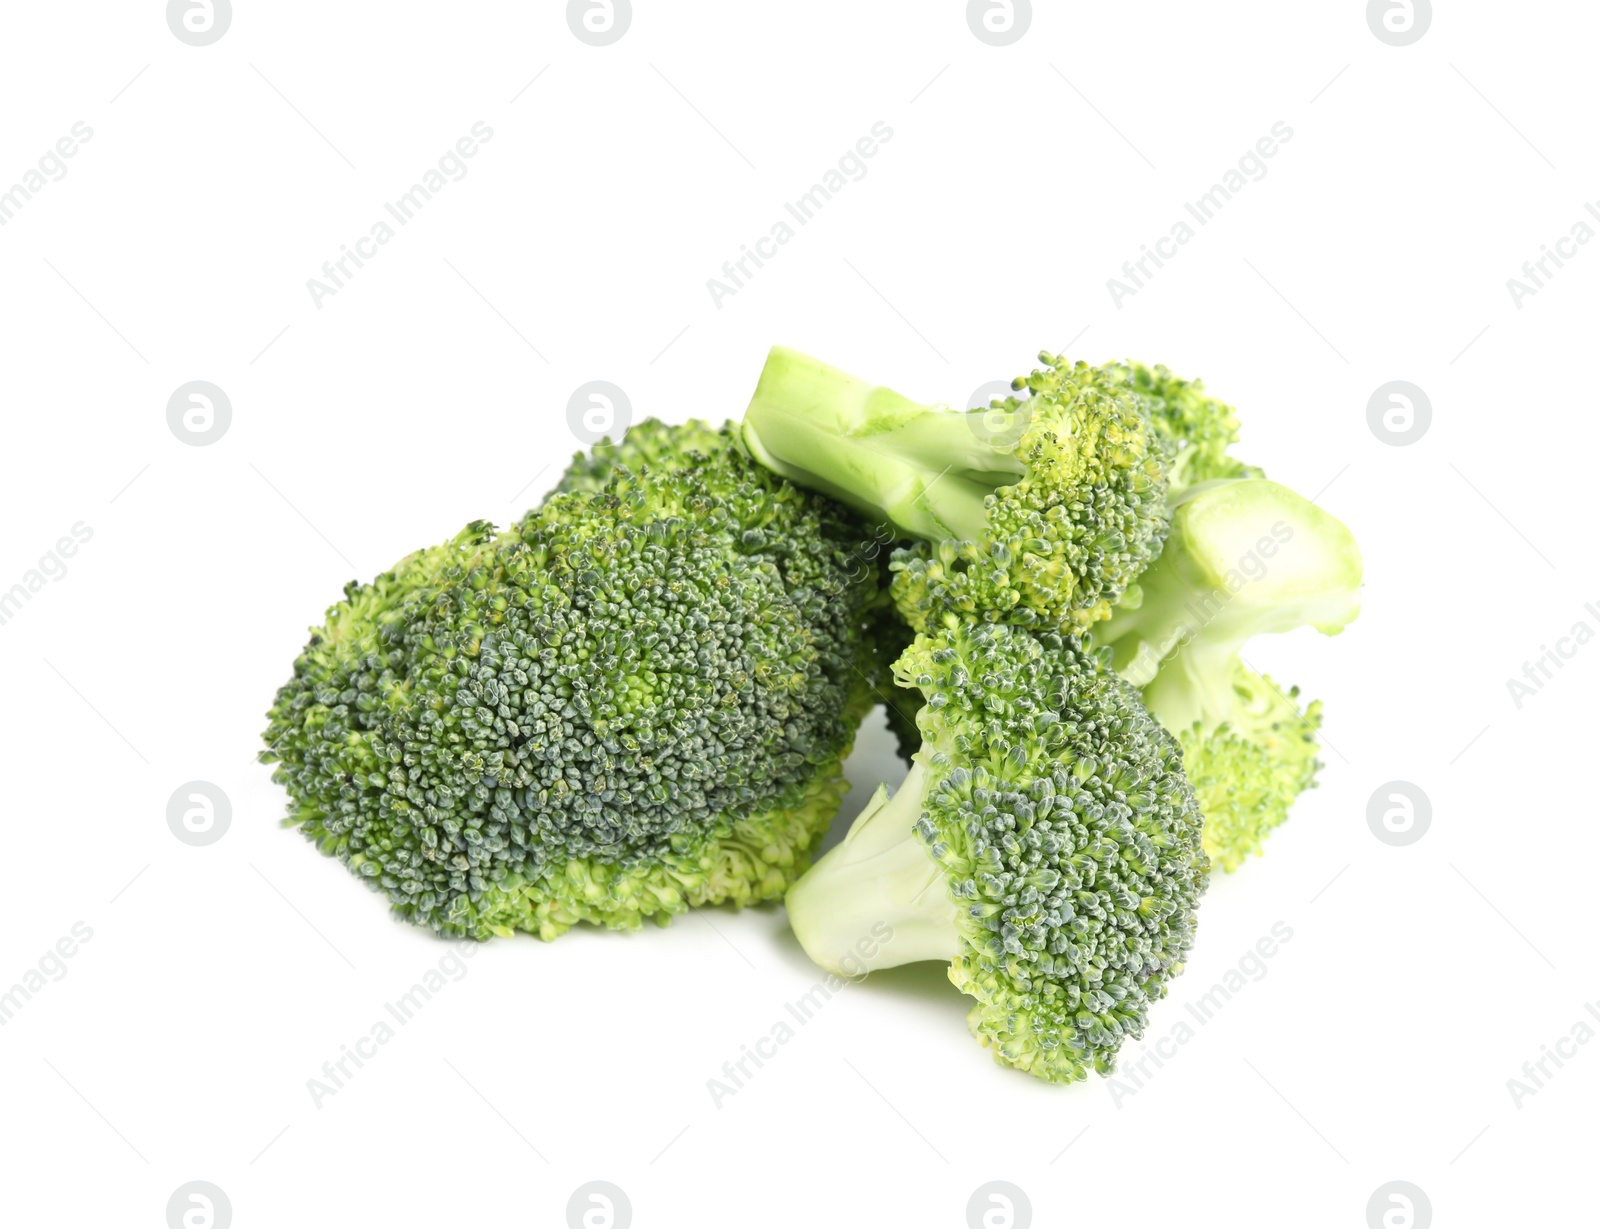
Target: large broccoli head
<point>1045,843</point>
<point>1245,557</point>
<point>1039,510</point>
<point>636,700</point>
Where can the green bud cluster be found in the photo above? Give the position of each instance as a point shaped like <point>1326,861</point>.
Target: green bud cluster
<point>636,700</point>
<point>1063,542</point>
<point>1248,771</point>
<point>1198,428</point>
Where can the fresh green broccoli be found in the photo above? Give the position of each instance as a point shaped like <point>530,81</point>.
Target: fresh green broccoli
<point>1038,511</point>
<point>1045,843</point>
<point>1198,428</point>
<point>636,700</point>
<point>1244,557</point>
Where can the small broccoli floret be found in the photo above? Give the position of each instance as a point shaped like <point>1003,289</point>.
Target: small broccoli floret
<point>1198,428</point>
<point>636,700</point>
<point>1248,771</point>
<point>1244,557</point>
<point>1038,511</point>
<point>1045,843</point>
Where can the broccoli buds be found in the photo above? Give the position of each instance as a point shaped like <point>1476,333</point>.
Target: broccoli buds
<point>1199,429</point>
<point>639,698</point>
<point>636,700</point>
<point>1046,844</point>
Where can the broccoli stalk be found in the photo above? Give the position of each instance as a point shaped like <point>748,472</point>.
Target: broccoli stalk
<point>1039,510</point>
<point>927,470</point>
<point>885,876</point>
<point>1244,557</point>
<point>1045,844</point>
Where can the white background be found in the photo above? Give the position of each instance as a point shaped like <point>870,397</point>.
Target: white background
<point>432,389</point>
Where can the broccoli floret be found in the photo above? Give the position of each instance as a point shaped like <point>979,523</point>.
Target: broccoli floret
<point>1198,428</point>
<point>1045,843</point>
<point>1248,771</point>
<point>1038,511</point>
<point>1244,557</point>
<point>636,700</point>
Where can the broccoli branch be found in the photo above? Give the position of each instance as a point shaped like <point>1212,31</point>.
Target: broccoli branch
<point>927,469</point>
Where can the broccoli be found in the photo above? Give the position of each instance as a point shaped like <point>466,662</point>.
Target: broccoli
<point>636,700</point>
<point>1045,843</point>
<point>1244,557</point>
<point>650,444</point>
<point>1038,511</point>
<point>662,445</point>
<point>1199,429</point>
